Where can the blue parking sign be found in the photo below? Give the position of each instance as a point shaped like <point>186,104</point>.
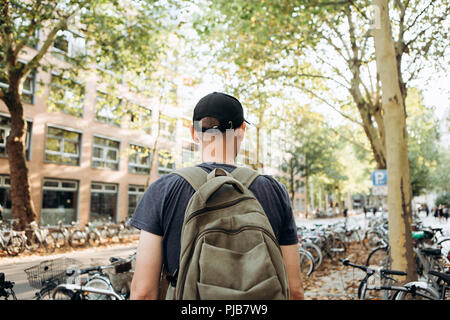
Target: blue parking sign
<point>379,177</point>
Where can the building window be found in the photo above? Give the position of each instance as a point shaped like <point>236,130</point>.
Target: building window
<point>69,44</point>
<point>189,153</point>
<point>62,146</point>
<point>167,127</point>
<point>140,117</point>
<point>103,202</point>
<point>5,197</point>
<point>139,159</point>
<point>107,109</point>
<point>135,194</point>
<point>166,163</point>
<point>28,86</point>
<point>297,204</point>
<point>66,95</point>
<point>5,128</point>
<point>59,201</point>
<point>105,153</point>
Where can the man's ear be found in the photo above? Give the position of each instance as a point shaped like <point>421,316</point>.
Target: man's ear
<point>241,131</point>
<point>194,137</point>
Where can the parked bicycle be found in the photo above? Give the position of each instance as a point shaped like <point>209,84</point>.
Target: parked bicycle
<point>108,282</point>
<point>39,238</point>
<point>11,241</point>
<point>6,288</point>
<point>47,275</point>
<point>382,289</point>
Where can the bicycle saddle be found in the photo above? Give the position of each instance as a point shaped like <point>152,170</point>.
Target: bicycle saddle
<point>440,275</point>
<point>431,251</point>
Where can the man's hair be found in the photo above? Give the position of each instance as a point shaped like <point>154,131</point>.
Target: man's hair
<point>207,123</point>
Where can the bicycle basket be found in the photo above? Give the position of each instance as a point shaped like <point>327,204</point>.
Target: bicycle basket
<point>49,270</point>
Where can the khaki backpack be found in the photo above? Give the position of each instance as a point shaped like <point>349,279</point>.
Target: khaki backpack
<point>228,248</point>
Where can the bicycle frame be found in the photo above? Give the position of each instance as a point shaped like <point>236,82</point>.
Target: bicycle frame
<point>84,289</point>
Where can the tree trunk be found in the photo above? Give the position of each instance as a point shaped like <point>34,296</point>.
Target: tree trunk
<point>333,200</point>
<point>154,151</point>
<point>258,146</point>
<point>306,196</point>
<point>399,195</point>
<point>292,181</point>
<point>20,192</point>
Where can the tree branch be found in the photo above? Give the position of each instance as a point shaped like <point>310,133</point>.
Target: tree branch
<point>6,28</point>
<point>34,62</point>
<point>32,28</point>
<point>328,104</point>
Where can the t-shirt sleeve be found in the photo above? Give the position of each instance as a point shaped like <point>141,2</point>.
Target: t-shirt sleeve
<point>149,211</point>
<point>288,234</point>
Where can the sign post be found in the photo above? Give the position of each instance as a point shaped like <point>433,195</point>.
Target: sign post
<point>379,181</point>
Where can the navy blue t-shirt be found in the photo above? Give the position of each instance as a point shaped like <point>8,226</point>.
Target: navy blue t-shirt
<point>161,210</point>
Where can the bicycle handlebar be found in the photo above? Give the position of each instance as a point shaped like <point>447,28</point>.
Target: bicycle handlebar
<point>346,262</point>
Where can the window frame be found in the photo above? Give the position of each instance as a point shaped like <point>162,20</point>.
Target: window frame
<point>62,146</point>
<point>66,89</point>
<point>28,136</point>
<point>76,189</point>
<point>109,121</point>
<point>104,190</point>
<point>165,168</point>
<point>136,193</point>
<point>105,150</point>
<point>137,165</point>
<point>33,75</point>
<point>69,36</point>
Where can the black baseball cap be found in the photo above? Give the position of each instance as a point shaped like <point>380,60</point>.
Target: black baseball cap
<point>221,106</point>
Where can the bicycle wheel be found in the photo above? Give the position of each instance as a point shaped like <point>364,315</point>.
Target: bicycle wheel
<point>98,283</point>
<point>315,252</point>
<point>93,239</point>
<point>46,292</point>
<point>49,243</point>
<point>60,239</point>
<point>32,244</point>
<point>372,239</point>
<point>306,262</point>
<point>63,294</point>
<point>417,294</point>
<point>379,257</point>
<point>15,245</point>
<point>77,239</point>
<point>337,249</point>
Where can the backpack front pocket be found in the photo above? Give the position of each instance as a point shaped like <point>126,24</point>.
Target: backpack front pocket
<point>235,270</point>
<point>270,289</point>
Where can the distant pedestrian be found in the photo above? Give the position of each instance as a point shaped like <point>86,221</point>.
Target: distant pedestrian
<point>345,212</point>
<point>427,210</point>
<point>445,210</point>
<point>441,212</point>
<point>365,211</point>
<point>1,211</point>
<point>435,212</point>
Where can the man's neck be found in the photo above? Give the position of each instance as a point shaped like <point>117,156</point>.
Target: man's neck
<point>231,161</point>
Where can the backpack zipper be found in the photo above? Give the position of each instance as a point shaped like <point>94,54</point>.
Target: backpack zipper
<point>220,206</point>
<point>228,232</point>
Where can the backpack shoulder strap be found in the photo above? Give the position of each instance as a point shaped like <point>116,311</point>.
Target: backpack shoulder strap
<point>245,175</point>
<point>195,176</point>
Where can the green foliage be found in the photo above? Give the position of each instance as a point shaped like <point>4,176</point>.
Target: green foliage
<point>443,199</point>
<point>117,36</point>
<point>441,173</point>
<point>423,137</point>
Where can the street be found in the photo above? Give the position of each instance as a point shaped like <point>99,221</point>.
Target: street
<point>14,267</point>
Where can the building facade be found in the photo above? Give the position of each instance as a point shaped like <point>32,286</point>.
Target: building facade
<point>88,162</point>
